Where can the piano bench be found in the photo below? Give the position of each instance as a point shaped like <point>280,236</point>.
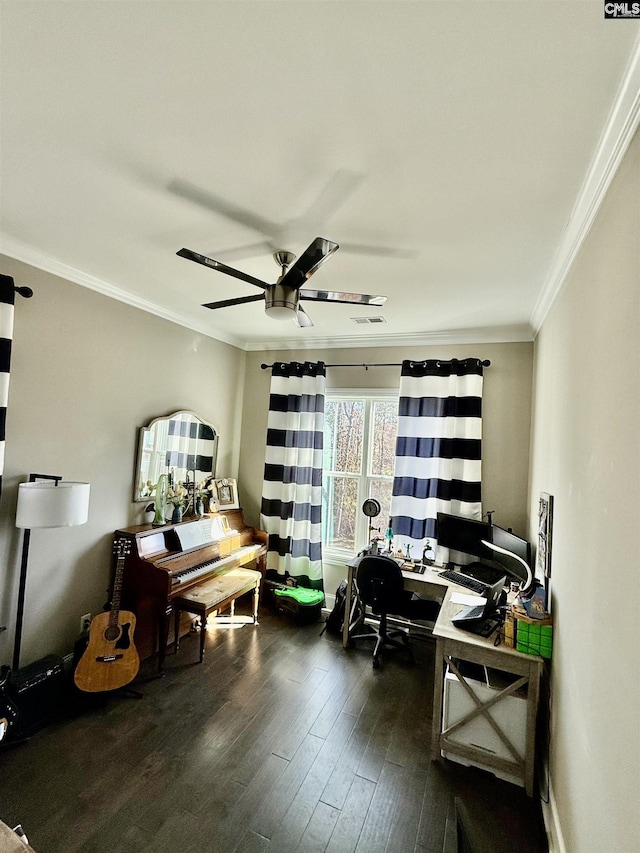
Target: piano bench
<point>216,594</point>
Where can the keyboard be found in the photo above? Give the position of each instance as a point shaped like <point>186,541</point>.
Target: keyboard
<point>465,581</point>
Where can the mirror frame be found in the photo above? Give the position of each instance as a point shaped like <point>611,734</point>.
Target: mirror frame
<point>145,431</point>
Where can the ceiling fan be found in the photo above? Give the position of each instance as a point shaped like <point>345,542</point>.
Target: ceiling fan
<point>282,299</point>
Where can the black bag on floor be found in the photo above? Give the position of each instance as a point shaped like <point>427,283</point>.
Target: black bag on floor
<point>335,620</point>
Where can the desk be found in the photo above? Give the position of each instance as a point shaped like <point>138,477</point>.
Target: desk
<point>453,643</point>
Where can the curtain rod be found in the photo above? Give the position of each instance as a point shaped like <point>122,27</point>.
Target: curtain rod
<point>485,363</point>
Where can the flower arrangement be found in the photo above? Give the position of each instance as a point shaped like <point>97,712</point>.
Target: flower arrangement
<point>180,495</point>
<point>177,495</point>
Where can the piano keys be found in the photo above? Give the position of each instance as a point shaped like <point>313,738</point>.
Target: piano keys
<point>164,562</point>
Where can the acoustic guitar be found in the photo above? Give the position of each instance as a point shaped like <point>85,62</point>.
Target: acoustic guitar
<point>110,660</point>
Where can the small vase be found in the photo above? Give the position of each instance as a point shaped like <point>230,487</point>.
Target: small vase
<point>176,516</point>
<point>199,507</point>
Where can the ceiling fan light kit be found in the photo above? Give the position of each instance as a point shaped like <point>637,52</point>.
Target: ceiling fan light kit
<point>282,297</point>
<point>281,302</point>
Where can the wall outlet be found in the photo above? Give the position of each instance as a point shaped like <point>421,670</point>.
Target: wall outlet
<point>85,622</point>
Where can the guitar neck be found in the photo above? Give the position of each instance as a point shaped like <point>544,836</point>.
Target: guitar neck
<point>122,549</point>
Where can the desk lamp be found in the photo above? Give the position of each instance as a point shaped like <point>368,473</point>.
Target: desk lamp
<point>45,501</point>
<point>529,586</point>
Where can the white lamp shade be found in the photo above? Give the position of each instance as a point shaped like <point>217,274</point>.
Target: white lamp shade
<point>47,504</point>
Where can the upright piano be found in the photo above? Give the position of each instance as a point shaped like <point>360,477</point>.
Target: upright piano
<point>162,563</point>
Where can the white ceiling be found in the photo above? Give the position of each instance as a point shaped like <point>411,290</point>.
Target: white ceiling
<point>475,138</point>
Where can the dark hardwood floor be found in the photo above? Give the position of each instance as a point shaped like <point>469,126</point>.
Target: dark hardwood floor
<point>279,741</point>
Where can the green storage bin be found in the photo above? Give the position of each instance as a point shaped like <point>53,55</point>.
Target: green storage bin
<point>532,639</point>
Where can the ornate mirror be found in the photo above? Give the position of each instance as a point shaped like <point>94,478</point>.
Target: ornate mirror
<point>181,445</point>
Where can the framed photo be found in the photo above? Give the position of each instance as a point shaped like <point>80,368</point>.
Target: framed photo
<point>545,535</point>
<point>227,493</point>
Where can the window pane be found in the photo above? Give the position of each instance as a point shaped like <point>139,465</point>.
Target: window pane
<point>381,491</point>
<point>383,438</point>
<point>339,511</point>
<point>343,435</point>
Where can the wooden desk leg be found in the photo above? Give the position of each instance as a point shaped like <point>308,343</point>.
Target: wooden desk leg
<point>438,687</point>
<point>347,609</point>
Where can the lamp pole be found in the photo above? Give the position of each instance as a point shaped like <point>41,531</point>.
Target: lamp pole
<point>23,577</point>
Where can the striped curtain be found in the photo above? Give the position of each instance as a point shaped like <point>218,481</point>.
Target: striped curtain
<point>7,296</point>
<point>438,452</point>
<point>292,492</point>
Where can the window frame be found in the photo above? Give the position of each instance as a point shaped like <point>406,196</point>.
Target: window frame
<point>369,396</point>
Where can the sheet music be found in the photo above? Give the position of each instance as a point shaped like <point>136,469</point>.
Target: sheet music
<point>195,534</point>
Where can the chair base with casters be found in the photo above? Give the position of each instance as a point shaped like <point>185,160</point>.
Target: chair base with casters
<point>383,637</point>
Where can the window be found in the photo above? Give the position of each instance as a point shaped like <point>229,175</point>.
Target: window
<point>359,456</point>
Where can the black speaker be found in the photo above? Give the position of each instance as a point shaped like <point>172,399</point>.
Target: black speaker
<point>37,691</point>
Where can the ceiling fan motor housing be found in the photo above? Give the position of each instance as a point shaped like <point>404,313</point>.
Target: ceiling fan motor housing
<point>281,301</point>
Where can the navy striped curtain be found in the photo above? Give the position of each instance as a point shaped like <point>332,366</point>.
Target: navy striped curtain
<point>438,453</point>
<point>291,507</point>
<point>7,297</point>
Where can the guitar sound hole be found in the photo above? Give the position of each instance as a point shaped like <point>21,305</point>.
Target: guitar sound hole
<point>112,633</point>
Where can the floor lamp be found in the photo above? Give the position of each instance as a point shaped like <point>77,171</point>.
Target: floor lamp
<point>45,501</point>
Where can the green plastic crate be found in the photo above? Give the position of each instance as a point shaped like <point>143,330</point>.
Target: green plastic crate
<point>534,639</point>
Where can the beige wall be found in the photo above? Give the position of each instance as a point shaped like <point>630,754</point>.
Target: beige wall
<point>506,419</point>
<point>87,372</point>
<point>585,452</point>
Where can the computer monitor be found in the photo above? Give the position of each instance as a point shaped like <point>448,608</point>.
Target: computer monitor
<point>463,534</point>
<point>508,541</point>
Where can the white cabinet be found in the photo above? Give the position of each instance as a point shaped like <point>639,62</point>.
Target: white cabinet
<point>509,714</point>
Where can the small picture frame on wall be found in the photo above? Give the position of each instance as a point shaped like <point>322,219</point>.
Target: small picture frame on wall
<point>545,534</point>
<point>227,493</point>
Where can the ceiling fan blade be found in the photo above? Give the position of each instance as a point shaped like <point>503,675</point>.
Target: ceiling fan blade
<point>302,318</point>
<point>216,265</point>
<point>225,208</point>
<point>240,300</point>
<point>379,251</point>
<point>308,262</point>
<point>337,296</point>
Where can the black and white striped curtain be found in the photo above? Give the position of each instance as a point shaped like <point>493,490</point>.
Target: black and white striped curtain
<point>438,453</point>
<point>292,491</point>
<point>7,297</point>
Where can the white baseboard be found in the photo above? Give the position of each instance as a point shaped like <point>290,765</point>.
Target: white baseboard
<point>552,824</point>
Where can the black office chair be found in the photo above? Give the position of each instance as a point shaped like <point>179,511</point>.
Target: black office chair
<point>381,587</point>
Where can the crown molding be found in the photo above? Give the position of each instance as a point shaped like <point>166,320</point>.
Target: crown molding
<point>493,335</point>
<point>14,248</point>
<point>617,135</point>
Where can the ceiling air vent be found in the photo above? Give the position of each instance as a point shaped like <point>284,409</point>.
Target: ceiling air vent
<point>368,320</point>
